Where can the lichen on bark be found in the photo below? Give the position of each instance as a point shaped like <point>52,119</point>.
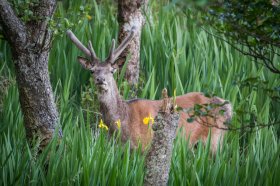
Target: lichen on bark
<point>158,159</point>
<point>30,46</point>
<point>130,15</point>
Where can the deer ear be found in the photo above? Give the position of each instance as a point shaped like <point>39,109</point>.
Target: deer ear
<point>85,63</point>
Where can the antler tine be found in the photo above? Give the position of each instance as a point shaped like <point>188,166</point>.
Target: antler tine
<point>92,53</point>
<point>124,44</point>
<point>112,50</point>
<point>78,43</point>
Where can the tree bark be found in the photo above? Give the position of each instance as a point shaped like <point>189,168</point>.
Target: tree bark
<point>30,45</point>
<point>36,97</point>
<point>129,15</point>
<point>158,160</point>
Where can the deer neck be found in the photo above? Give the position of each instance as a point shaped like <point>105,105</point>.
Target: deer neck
<point>113,107</point>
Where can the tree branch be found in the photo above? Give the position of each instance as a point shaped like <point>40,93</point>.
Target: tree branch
<point>267,62</point>
<point>203,120</point>
<point>13,29</point>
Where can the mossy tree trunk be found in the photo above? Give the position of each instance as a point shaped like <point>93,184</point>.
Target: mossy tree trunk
<point>158,159</point>
<point>30,46</point>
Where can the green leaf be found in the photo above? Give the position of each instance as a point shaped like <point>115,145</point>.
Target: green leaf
<point>190,120</point>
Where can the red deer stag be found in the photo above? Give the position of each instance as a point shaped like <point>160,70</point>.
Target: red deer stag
<point>131,113</point>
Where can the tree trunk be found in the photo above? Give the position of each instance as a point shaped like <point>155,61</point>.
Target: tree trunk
<point>30,45</point>
<point>129,15</point>
<point>158,160</point>
<point>36,97</point>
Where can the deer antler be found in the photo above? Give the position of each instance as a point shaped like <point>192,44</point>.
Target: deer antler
<point>112,50</point>
<point>89,52</point>
<point>114,54</point>
<point>92,53</point>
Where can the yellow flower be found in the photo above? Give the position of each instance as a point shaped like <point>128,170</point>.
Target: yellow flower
<point>89,17</point>
<point>118,123</point>
<point>102,125</point>
<point>148,120</point>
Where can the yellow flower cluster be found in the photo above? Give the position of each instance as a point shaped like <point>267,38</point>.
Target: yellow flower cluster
<point>148,120</point>
<point>102,125</point>
<point>118,123</point>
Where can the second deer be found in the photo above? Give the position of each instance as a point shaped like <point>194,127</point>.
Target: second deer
<point>132,112</point>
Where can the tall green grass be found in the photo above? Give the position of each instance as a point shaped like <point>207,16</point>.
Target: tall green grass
<point>174,54</point>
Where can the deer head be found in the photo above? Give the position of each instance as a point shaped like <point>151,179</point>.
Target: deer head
<point>102,71</point>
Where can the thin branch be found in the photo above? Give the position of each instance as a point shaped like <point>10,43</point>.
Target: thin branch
<point>13,29</point>
<point>266,61</point>
<point>201,121</point>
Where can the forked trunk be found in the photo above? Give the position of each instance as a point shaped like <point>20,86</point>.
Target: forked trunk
<point>30,46</point>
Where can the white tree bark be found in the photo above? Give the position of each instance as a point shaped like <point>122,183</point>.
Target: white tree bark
<point>130,15</point>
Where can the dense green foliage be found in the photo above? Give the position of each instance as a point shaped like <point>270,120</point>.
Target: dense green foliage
<point>252,27</point>
<point>174,54</point>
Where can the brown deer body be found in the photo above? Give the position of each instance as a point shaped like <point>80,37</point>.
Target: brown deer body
<point>131,113</point>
